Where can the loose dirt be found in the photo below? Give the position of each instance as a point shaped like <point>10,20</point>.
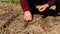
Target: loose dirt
<point>12,22</point>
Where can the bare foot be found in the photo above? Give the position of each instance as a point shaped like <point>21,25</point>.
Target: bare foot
<point>27,16</point>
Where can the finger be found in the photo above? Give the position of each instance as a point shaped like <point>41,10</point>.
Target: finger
<point>30,18</point>
<point>43,9</point>
<point>25,18</point>
<point>40,10</point>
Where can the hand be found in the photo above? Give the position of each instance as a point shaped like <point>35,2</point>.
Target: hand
<point>43,7</point>
<point>27,16</point>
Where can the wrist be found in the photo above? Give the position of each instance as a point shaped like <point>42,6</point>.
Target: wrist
<point>47,5</point>
<point>26,11</point>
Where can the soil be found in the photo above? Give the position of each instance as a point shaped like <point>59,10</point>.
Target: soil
<point>12,22</point>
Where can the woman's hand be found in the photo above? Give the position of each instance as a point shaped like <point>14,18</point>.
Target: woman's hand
<point>27,16</point>
<point>43,7</point>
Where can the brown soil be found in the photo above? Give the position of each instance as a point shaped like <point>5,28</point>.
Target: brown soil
<point>11,22</point>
